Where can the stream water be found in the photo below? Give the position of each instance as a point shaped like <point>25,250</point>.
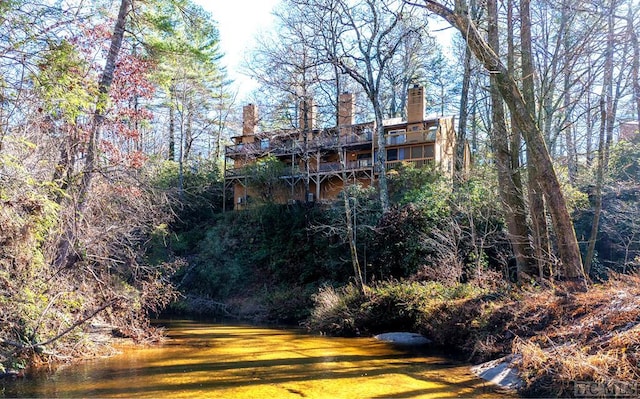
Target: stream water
<point>227,361</point>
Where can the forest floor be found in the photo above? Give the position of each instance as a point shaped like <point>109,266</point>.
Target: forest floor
<point>559,338</point>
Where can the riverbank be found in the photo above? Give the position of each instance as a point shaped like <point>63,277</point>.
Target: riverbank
<point>557,337</point>
<point>204,360</point>
<point>93,340</point>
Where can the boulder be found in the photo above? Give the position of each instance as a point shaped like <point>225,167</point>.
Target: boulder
<point>403,338</point>
<point>501,372</point>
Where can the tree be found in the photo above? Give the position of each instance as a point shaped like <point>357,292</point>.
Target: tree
<point>184,43</point>
<point>508,176</point>
<point>70,163</point>
<point>90,166</point>
<point>362,39</point>
<point>569,253</point>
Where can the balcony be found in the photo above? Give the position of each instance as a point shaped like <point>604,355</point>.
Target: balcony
<point>417,163</point>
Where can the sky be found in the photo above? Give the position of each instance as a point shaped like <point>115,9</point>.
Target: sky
<point>239,21</point>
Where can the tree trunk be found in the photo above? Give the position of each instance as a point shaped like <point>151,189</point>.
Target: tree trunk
<point>464,116</point>
<point>350,225</point>
<point>536,200</point>
<point>172,128</point>
<point>589,128</point>
<point>606,122</point>
<point>69,236</point>
<point>381,158</point>
<point>572,156</point>
<point>568,250</point>
<point>188,136</point>
<point>635,66</point>
<point>597,207</point>
<point>512,200</point>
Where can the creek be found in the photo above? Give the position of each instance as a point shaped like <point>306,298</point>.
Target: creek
<point>208,360</point>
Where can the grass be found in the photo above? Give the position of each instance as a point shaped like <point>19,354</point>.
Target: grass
<point>558,336</point>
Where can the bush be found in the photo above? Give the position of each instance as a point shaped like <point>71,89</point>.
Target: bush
<point>444,235</point>
<point>386,306</point>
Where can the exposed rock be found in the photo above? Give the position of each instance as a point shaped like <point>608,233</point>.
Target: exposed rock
<point>501,372</point>
<point>403,338</point>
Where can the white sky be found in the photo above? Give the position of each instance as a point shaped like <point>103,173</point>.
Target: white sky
<point>239,21</point>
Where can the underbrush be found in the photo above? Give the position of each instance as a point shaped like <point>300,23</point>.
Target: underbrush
<point>559,337</point>
<point>389,305</point>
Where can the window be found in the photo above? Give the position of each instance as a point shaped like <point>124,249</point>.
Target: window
<point>397,136</point>
<point>431,133</point>
<point>392,155</point>
<point>416,152</point>
<point>429,151</point>
<point>264,144</point>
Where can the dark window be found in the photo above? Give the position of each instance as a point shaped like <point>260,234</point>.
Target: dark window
<point>392,155</point>
<point>429,151</point>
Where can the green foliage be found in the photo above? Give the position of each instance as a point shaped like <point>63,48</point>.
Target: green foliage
<point>265,178</point>
<point>618,242</point>
<point>262,251</point>
<point>387,306</point>
<point>425,185</point>
<point>198,202</point>
<point>437,233</point>
<point>62,84</point>
<point>625,162</point>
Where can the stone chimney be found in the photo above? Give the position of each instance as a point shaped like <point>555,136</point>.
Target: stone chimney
<point>415,104</point>
<point>307,111</point>
<point>345,109</point>
<point>249,119</point>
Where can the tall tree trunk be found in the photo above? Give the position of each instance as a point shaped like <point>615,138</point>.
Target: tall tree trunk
<point>172,126</point>
<point>512,200</point>
<point>464,116</point>
<point>351,226</point>
<point>536,199</point>
<point>589,128</point>
<point>69,236</point>
<point>461,139</point>
<point>188,136</point>
<point>597,207</point>
<point>572,156</point>
<point>635,65</point>
<point>381,158</point>
<point>606,120</point>
<point>568,250</point>
<point>516,137</point>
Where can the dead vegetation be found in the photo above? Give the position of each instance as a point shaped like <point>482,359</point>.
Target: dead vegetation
<point>559,337</point>
<point>590,336</point>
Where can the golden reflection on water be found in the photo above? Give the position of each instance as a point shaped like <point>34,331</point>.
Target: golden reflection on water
<point>225,361</point>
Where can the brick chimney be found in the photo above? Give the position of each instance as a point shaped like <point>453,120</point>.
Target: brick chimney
<point>415,104</point>
<point>249,119</point>
<point>345,109</point>
<point>309,107</point>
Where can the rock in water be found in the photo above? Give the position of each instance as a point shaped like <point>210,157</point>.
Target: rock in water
<point>403,338</point>
<point>501,372</point>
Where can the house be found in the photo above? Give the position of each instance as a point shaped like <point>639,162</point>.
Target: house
<point>319,162</point>
<point>629,131</point>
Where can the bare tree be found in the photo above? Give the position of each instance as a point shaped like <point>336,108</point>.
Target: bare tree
<point>508,179</point>
<point>362,39</point>
<point>568,250</point>
<point>91,160</point>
